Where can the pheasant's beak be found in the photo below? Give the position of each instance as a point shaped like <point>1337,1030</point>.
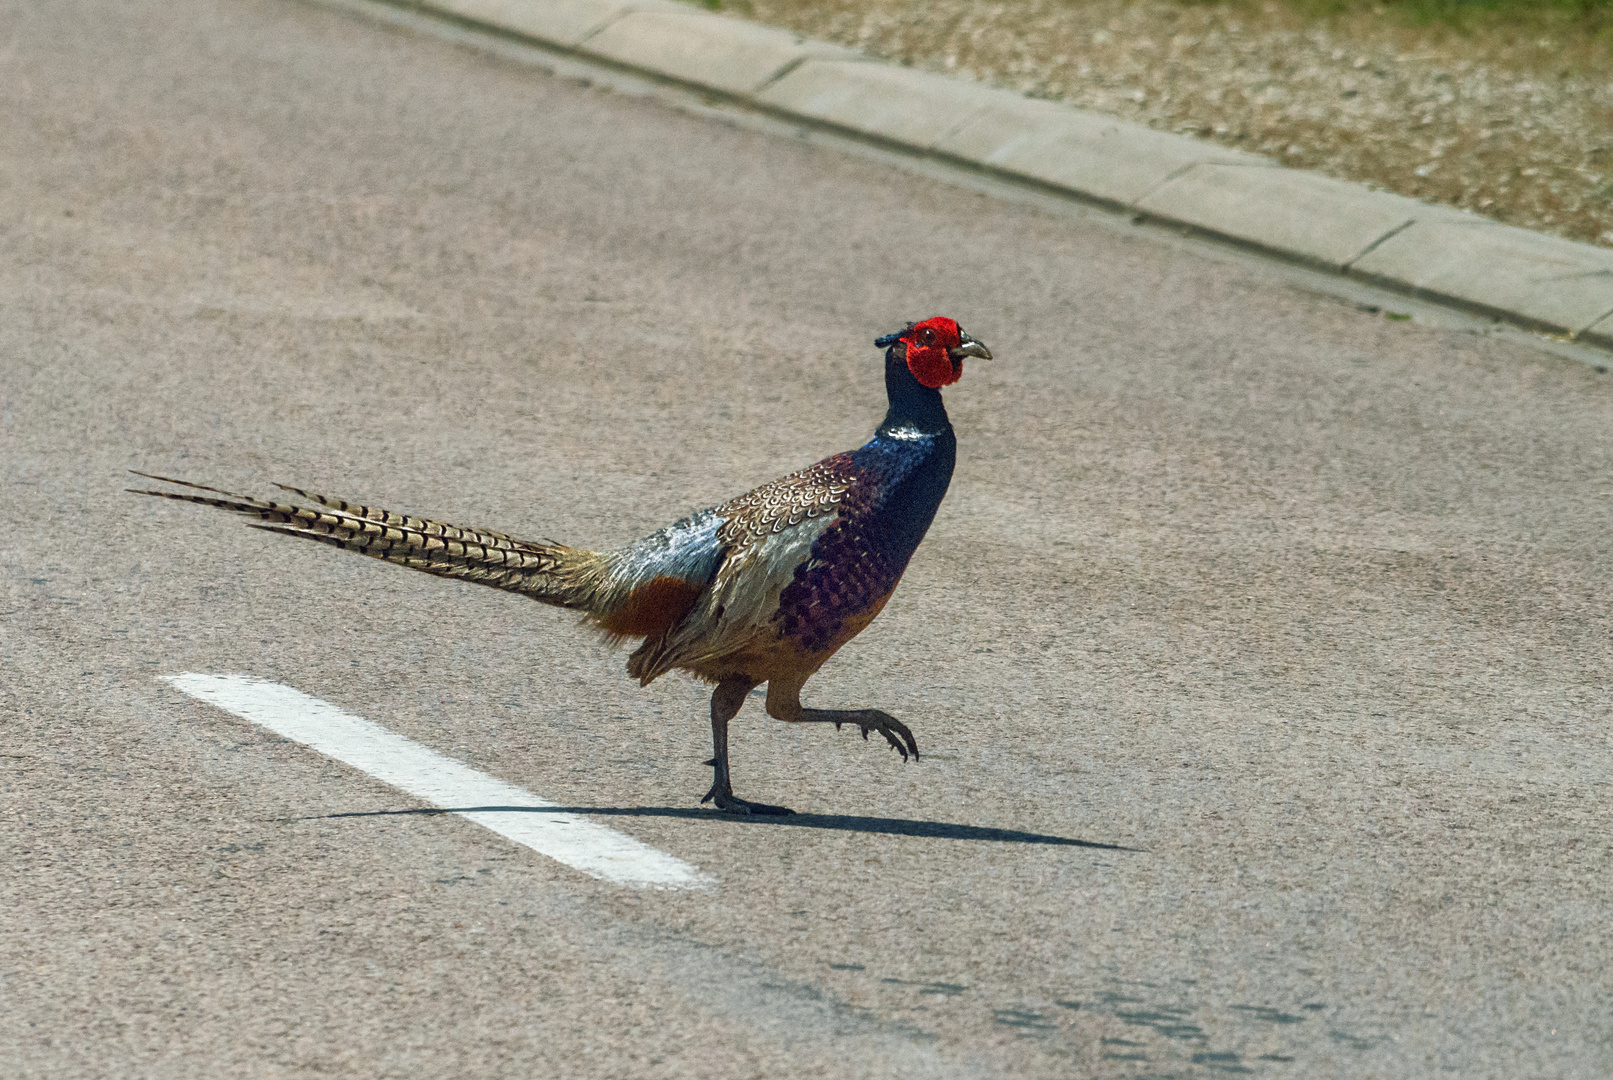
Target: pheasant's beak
<point>969,347</point>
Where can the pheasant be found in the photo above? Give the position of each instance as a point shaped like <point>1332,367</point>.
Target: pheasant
<point>762,589</point>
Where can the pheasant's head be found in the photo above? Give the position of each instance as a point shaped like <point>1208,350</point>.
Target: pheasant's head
<point>935,349</point>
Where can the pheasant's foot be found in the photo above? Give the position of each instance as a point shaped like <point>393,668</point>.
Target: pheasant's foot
<point>894,730</point>
<point>729,803</point>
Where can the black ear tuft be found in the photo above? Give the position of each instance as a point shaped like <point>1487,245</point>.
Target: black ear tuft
<point>890,339</point>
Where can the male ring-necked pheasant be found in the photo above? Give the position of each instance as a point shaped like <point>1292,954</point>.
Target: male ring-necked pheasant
<point>763,589</point>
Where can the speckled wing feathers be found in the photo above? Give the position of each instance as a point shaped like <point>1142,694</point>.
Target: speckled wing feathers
<point>785,503</point>
<point>766,534</point>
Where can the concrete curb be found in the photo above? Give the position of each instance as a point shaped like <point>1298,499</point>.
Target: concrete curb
<point>1433,252</point>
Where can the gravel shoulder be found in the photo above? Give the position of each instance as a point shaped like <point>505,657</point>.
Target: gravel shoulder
<point>1517,128</point>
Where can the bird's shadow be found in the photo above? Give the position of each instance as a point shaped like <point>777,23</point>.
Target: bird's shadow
<point>939,830</point>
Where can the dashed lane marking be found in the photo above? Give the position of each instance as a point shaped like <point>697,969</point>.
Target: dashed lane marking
<point>512,812</point>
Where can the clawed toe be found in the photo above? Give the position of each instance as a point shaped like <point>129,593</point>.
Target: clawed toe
<point>730,804</point>
<point>895,732</point>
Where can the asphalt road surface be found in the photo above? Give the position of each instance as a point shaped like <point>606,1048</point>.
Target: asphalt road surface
<point>1260,653</point>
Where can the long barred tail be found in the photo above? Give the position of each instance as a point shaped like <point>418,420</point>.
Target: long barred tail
<point>549,572</point>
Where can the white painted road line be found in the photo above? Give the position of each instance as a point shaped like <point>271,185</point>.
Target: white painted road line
<point>504,808</point>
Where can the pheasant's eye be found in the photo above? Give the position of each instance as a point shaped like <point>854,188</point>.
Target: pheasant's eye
<point>927,336</point>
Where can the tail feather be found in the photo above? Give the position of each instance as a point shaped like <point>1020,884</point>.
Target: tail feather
<point>543,570</point>
<point>341,508</point>
<point>387,517</point>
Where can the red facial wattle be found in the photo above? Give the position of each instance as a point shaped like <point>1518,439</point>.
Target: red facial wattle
<point>928,352</point>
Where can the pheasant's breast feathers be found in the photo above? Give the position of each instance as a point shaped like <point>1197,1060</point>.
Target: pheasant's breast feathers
<point>891,489</point>
<point>852,570</point>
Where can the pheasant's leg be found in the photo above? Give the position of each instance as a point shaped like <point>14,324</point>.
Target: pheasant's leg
<point>894,730</point>
<point>784,703</point>
<point>725,703</point>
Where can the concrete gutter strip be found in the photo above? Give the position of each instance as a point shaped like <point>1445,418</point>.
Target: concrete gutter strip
<point>1508,272</point>
<point>1319,220</point>
<point>563,23</point>
<point>1601,331</point>
<point>909,108</point>
<point>1099,158</point>
<point>734,57</point>
<point>1435,252</point>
